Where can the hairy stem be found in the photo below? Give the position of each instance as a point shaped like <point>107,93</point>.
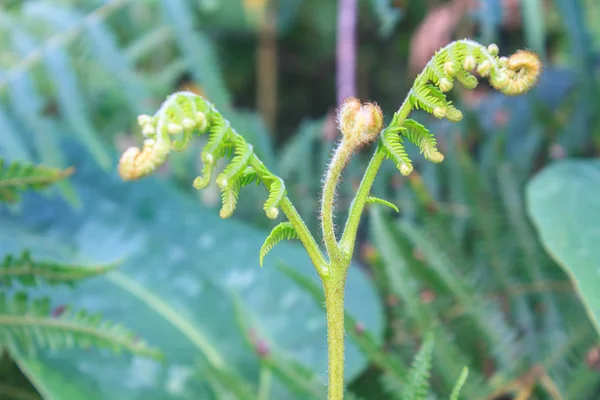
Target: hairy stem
<point>358,203</point>
<point>306,237</point>
<point>334,303</point>
<point>338,162</point>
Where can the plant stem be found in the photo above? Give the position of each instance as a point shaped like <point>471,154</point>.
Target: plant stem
<point>306,237</point>
<point>304,234</point>
<point>358,204</point>
<point>334,303</point>
<point>338,162</point>
<point>264,385</point>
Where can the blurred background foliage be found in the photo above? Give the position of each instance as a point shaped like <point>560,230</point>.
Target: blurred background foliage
<point>461,258</point>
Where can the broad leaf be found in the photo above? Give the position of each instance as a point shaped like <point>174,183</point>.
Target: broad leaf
<point>564,202</point>
<point>174,249</point>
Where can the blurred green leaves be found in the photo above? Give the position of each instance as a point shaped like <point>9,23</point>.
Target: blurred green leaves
<point>564,202</point>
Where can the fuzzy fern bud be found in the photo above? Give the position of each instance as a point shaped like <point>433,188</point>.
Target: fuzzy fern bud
<point>439,112</point>
<point>174,129</point>
<point>493,50</point>
<point>446,85</point>
<point>148,130</point>
<point>360,124</point>
<point>470,63</point>
<point>484,68</point>
<point>450,68</point>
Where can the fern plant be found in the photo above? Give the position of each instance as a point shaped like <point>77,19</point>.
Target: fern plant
<point>27,323</point>
<point>184,114</point>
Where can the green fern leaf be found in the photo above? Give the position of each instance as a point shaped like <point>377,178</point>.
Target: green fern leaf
<point>377,200</point>
<point>423,139</point>
<point>229,196</point>
<point>28,271</point>
<point>276,194</point>
<point>31,325</point>
<point>391,144</point>
<point>417,383</point>
<point>17,177</point>
<point>284,230</point>
<point>243,152</point>
<point>459,383</point>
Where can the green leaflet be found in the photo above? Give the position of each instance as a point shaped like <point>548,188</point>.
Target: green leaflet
<point>17,177</point>
<point>284,230</point>
<point>377,200</point>
<point>29,271</point>
<point>391,144</point>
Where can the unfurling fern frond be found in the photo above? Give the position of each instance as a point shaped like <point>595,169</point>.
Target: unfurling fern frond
<point>513,75</point>
<point>417,382</point>
<point>186,113</point>
<point>30,324</point>
<point>29,271</point>
<point>377,200</point>
<point>284,230</point>
<point>17,177</point>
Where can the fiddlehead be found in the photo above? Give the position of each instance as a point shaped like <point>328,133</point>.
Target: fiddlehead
<point>457,61</point>
<point>185,114</point>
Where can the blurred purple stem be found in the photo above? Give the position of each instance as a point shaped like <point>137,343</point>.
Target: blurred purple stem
<point>346,49</point>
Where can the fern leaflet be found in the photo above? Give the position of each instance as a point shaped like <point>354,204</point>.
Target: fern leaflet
<point>17,177</point>
<point>284,230</point>
<point>28,271</point>
<point>377,200</point>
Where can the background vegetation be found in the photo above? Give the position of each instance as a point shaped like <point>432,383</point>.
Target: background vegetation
<point>492,250</point>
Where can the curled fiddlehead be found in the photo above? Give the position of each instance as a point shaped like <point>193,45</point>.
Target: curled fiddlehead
<point>173,126</point>
<point>455,62</point>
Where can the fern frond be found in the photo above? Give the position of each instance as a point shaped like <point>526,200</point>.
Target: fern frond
<point>28,271</point>
<point>284,230</point>
<point>513,75</point>
<point>17,177</point>
<point>417,383</point>
<point>459,383</point>
<point>30,325</point>
<point>425,141</point>
<point>186,113</point>
<point>391,144</point>
<point>377,200</point>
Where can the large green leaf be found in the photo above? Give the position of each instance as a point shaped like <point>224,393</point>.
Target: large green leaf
<point>174,250</point>
<point>564,202</point>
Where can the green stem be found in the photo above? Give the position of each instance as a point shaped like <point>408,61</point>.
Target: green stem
<point>358,204</point>
<point>306,237</point>
<point>338,162</point>
<point>304,234</point>
<point>334,303</point>
<point>264,384</point>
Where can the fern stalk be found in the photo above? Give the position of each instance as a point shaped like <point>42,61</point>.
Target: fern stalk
<point>360,124</point>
